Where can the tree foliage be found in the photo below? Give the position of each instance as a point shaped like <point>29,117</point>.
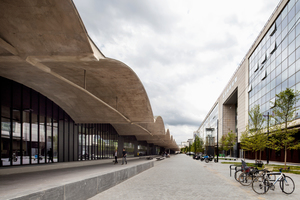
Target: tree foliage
<point>198,145</point>
<point>222,143</point>
<point>253,138</point>
<point>284,112</point>
<point>228,141</point>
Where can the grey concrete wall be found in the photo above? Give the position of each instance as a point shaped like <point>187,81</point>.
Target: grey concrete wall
<point>87,188</point>
<point>228,118</point>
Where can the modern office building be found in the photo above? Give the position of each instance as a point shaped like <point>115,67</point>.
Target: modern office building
<point>271,65</point>
<point>61,97</point>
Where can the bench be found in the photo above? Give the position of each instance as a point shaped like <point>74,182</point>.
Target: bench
<point>230,159</point>
<point>259,163</point>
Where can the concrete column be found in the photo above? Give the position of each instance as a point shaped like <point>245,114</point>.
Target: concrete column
<point>76,145</point>
<point>60,141</point>
<point>135,148</point>
<point>120,145</point>
<point>148,149</point>
<point>229,120</point>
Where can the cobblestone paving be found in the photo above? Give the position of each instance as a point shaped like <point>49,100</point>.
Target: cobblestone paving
<point>181,177</point>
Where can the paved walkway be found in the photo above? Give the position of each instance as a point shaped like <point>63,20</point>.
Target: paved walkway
<point>181,177</point>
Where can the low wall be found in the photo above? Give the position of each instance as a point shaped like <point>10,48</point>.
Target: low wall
<point>88,187</point>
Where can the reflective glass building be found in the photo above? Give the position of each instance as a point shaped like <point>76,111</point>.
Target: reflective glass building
<point>274,65</point>
<point>271,65</point>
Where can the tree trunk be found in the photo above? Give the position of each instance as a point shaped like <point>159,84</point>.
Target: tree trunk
<point>285,152</point>
<point>259,154</point>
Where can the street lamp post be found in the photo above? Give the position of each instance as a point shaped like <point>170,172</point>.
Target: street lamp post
<point>268,117</point>
<point>217,140</point>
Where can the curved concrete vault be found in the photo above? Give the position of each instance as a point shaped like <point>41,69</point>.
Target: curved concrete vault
<point>45,46</point>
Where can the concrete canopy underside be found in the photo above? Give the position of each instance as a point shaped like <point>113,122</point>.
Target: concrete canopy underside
<point>45,46</point>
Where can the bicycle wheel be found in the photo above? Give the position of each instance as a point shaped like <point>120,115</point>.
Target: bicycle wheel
<point>260,185</point>
<point>287,185</point>
<point>245,179</point>
<point>206,160</point>
<point>237,174</point>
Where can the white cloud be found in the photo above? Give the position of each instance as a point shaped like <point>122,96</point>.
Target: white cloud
<point>181,133</point>
<point>184,51</point>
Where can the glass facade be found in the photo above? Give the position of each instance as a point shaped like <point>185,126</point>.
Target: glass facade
<point>275,63</point>
<point>97,141</point>
<point>129,144</point>
<point>142,148</point>
<point>34,130</point>
<point>208,128</point>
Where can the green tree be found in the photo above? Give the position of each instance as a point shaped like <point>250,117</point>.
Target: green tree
<point>198,145</point>
<point>253,138</point>
<point>284,112</point>
<point>229,141</point>
<point>222,143</point>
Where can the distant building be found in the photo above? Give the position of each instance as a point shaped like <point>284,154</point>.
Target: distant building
<point>271,65</point>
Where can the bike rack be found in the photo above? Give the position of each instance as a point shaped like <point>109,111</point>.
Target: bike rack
<point>230,167</point>
<point>234,167</point>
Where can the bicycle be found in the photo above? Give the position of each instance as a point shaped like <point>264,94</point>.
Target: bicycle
<point>246,178</point>
<point>244,172</point>
<point>248,174</point>
<point>262,184</point>
<point>210,158</point>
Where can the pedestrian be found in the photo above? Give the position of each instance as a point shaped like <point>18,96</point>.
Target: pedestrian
<point>50,154</point>
<point>116,156</point>
<point>124,153</point>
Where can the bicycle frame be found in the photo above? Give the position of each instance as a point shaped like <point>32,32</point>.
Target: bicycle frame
<point>281,175</point>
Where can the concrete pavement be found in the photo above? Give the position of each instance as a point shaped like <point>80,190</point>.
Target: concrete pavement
<point>181,177</point>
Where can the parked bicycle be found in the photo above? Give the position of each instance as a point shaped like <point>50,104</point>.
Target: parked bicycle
<point>244,172</point>
<point>262,184</point>
<point>208,158</point>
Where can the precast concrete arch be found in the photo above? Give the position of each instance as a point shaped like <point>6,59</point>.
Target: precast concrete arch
<point>153,133</point>
<point>60,61</point>
<point>45,46</point>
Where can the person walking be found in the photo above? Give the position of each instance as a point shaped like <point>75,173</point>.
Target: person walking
<point>116,156</point>
<point>124,153</point>
<point>50,154</point>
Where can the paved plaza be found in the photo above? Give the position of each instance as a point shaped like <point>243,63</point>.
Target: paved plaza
<point>181,177</point>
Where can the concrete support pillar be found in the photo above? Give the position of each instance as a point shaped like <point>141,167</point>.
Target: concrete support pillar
<point>162,150</point>
<point>120,145</point>
<point>148,148</point>
<point>135,148</point>
<point>229,119</point>
<point>153,151</point>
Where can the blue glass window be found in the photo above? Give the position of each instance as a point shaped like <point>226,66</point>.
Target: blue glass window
<point>291,81</point>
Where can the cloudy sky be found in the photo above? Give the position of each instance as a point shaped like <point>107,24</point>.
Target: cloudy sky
<point>183,51</point>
